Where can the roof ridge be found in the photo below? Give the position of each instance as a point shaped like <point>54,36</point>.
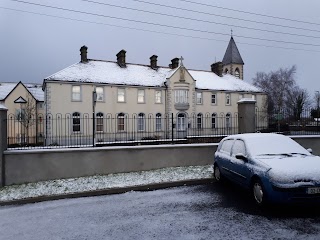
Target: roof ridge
<point>136,64</point>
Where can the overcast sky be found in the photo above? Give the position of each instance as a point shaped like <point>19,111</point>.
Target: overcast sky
<point>35,46</point>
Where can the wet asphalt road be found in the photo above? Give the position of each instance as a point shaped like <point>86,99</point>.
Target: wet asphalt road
<point>211,211</point>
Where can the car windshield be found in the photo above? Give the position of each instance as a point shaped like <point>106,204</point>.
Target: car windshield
<point>274,145</point>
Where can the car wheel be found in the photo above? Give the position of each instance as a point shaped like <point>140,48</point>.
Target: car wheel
<point>217,173</point>
<point>258,192</point>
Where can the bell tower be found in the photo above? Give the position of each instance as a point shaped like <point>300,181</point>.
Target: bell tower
<point>232,60</point>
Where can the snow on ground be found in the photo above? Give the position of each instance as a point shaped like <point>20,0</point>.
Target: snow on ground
<point>100,182</point>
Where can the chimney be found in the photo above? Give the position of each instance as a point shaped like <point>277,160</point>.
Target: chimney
<point>174,63</point>
<point>153,62</point>
<point>217,68</point>
<point>121,58</point>
<point>83,54</point>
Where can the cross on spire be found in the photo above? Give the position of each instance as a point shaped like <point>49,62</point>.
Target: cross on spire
<point>231,32</point>
<point>181,59</point>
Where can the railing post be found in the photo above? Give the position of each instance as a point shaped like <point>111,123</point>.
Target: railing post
<point>172,128</point>
<point>3,142</point>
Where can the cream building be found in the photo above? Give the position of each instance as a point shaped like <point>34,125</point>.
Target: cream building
<point>25,112</point>
<point>136,101</point>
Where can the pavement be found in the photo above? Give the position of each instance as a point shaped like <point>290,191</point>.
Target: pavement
<point>105,185</point>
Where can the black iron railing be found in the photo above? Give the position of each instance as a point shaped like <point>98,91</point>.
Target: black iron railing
<point>76,130</point>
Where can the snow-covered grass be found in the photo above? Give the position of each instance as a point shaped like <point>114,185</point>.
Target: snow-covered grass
<point>100,182</point>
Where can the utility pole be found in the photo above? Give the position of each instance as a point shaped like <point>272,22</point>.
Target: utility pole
<point>94,100</point>
<point>318,118</point>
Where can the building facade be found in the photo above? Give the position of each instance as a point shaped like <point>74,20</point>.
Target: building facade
<point>111,100</point>
<point>25,116</point>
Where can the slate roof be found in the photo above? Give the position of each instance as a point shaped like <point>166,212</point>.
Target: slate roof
<point>232,54</point>
<point>107,72</point>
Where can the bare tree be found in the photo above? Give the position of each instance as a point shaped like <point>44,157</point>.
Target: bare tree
<point>297,101</point>
<point>278,86</point>
<point>27,115</point>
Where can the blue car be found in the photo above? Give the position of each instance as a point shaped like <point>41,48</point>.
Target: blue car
<point>275,168</point>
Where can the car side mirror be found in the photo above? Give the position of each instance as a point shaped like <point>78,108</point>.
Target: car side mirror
<point>241,157</point>
<point>309,150</point>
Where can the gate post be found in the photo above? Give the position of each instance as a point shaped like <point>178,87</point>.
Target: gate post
<point>3,142</point>
<point>246,115</point>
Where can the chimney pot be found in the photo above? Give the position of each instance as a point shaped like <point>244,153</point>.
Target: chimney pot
<point>121,58</point>
<point>174,63</point>
<point>153,62</point>
<point>83,54</point>
<point>217,68</point>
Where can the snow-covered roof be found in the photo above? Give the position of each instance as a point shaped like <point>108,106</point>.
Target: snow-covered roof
<point>34,89</point>
<point>108,72</point>
<point>209,80</point>
<point>5,89</point>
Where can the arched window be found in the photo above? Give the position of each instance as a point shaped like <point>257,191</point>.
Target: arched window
<point>181,122</point>
<point>158,122</point>
<point>141,122</point>
<point>99,122</point>
<point>120,122</point>
<point>76,122</point>
<point>213,120</point>
<point>228,120</point>
<point>199,120</point>
<point>226,71</point>
<point>237,73</point>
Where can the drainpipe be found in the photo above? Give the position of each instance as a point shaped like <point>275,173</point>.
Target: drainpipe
<point>165,106</point>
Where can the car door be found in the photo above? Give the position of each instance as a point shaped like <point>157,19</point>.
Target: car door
<point>224,157</point>
<point>239,168</point>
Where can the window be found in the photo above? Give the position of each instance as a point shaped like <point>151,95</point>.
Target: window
<point>20,114</point>
<point>226,146</point>
<point>237,73</point>
<point>199,121</point>
<point>141,96</point>
<point>238,147</point>
<point>120,122</point>
<point>121,95</point>
<point>214,99</point>
<point>76,122</point>
<point>141,122</point>
<point>240,96</point>
<point>158,96</point>
<point>181,96</point>
<point>228,120</point>
<point>213,120</point>
<point>181,122</point>
<point>40,105</point>
<point>158,122</point>
<point>100,94</point>
<point>228,99</point>
<point>99,122</point>
<point>76,93</point>
<point>199,97</point>
<point>226,71</point>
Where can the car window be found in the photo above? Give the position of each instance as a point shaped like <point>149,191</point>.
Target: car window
<point>239,147</point>
<point>226,146</point>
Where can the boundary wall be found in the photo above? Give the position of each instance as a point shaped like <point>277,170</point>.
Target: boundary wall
<point>23,166</point>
